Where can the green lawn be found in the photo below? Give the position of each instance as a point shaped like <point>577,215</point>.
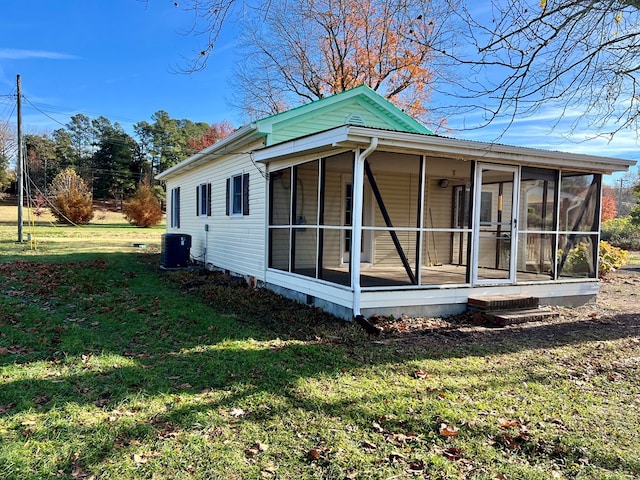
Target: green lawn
<point>43,236</point>
<point>113,369</point>
<point>634,259</point>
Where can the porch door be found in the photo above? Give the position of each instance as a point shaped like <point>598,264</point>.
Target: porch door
<point>494,224</point>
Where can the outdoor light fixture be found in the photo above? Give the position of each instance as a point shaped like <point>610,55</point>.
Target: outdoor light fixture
<point>444,183</point>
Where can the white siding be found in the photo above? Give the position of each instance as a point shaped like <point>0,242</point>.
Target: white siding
<point>232,243</point>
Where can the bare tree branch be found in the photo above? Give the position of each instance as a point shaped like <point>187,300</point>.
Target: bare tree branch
<point>582,56</point>
<point>313,48</point>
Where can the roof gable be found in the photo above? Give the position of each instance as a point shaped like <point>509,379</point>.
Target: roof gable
<point>358,106</point>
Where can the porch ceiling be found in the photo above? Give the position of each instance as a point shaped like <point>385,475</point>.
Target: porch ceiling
<point>435,146</point>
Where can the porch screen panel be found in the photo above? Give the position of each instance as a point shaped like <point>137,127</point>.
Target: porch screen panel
<point>304,254</point>
<point>397,179</point>
<point>332,269</point>
<point>390,219</point>
<point>280,192</point>
<point>280,219</point>
<point>305,218</point>
<point>388,268</point>
<point>306,193</point>
<point>537,225</point>
<point>579,225</point>
<point>335,223</point>
<point>446,222</point>
<point>338,173</point>
<point>436,269</point>
<point>279,248</point>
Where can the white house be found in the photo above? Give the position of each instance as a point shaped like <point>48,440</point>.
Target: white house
<point>351,205</point>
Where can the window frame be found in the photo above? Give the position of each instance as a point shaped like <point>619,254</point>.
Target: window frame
<point>175,207</point>
<point>203,200</point>
<point>232,194</point>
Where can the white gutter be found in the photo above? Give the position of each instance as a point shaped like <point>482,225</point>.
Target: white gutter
<point>356,222</point>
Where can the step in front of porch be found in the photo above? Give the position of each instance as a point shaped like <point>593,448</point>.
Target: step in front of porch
<point>501,302</point>
<point>514,317</point>
<point>504,310</point>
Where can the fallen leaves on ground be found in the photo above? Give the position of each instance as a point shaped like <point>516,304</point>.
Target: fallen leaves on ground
<point>448,430</point>
<point>421,374</point>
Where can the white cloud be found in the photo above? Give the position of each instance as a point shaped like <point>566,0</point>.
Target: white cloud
<point>21,54</point>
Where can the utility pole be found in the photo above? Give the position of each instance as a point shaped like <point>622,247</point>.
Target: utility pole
<point>20,166</point>
<point>620,197</point>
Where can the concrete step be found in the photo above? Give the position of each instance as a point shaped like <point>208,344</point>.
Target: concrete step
<point>503,318</point>
<point>486,303</point>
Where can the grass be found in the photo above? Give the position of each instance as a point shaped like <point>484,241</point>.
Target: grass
<point>112,369</point>
<point>42,236</point>
<point>634,259</point>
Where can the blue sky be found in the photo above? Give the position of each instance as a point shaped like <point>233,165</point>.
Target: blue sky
<point>118,58</point>
<point>115,58</point>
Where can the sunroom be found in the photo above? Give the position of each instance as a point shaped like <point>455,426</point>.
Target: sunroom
<point>364,221</point>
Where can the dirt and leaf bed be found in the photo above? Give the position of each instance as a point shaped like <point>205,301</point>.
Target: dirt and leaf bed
<point>616,309</point>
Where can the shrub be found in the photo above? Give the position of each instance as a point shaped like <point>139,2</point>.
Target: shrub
<point>72,201</point>
<point>622,233</point>
<point>73,207</point>
<point>611,259</point>
<point>578,261</point>
<point>143,209</point>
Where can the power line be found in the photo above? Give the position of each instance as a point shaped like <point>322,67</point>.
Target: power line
<point>43,113</point>
<point>114,140</point>
<point>68,110</point>
<point>10,103</point>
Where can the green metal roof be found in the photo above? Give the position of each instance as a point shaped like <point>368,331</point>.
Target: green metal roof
<point>360,106</point>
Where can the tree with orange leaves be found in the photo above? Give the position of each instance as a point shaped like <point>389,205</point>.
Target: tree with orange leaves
<point>217,131</point>
<point>301,51</point>
<point>609,209</point>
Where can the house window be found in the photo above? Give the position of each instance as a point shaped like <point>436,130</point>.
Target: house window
<point>238,195</point>
<point>175,207</point>
<point>203,200</point>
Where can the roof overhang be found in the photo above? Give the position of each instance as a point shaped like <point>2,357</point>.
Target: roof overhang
<point>435,146</point>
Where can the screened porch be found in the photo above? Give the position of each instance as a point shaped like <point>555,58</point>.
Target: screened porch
<point>427,222</point>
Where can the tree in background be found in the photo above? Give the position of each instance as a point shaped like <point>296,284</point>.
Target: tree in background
<point>296,52</point>
<point>72,203</point>
<point>507,58</point>
<point>635,212</point>
<point>109,160</point>
<point>7,147</point>
<point>143,209</point>
<point>166,140</point>
<point>609,209</point>
<point>216,132</point>
<point>116,165</point>
<point>65,152</point>
<point>41,161</point>
<point>82,142</point>
<point>582,57</point>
